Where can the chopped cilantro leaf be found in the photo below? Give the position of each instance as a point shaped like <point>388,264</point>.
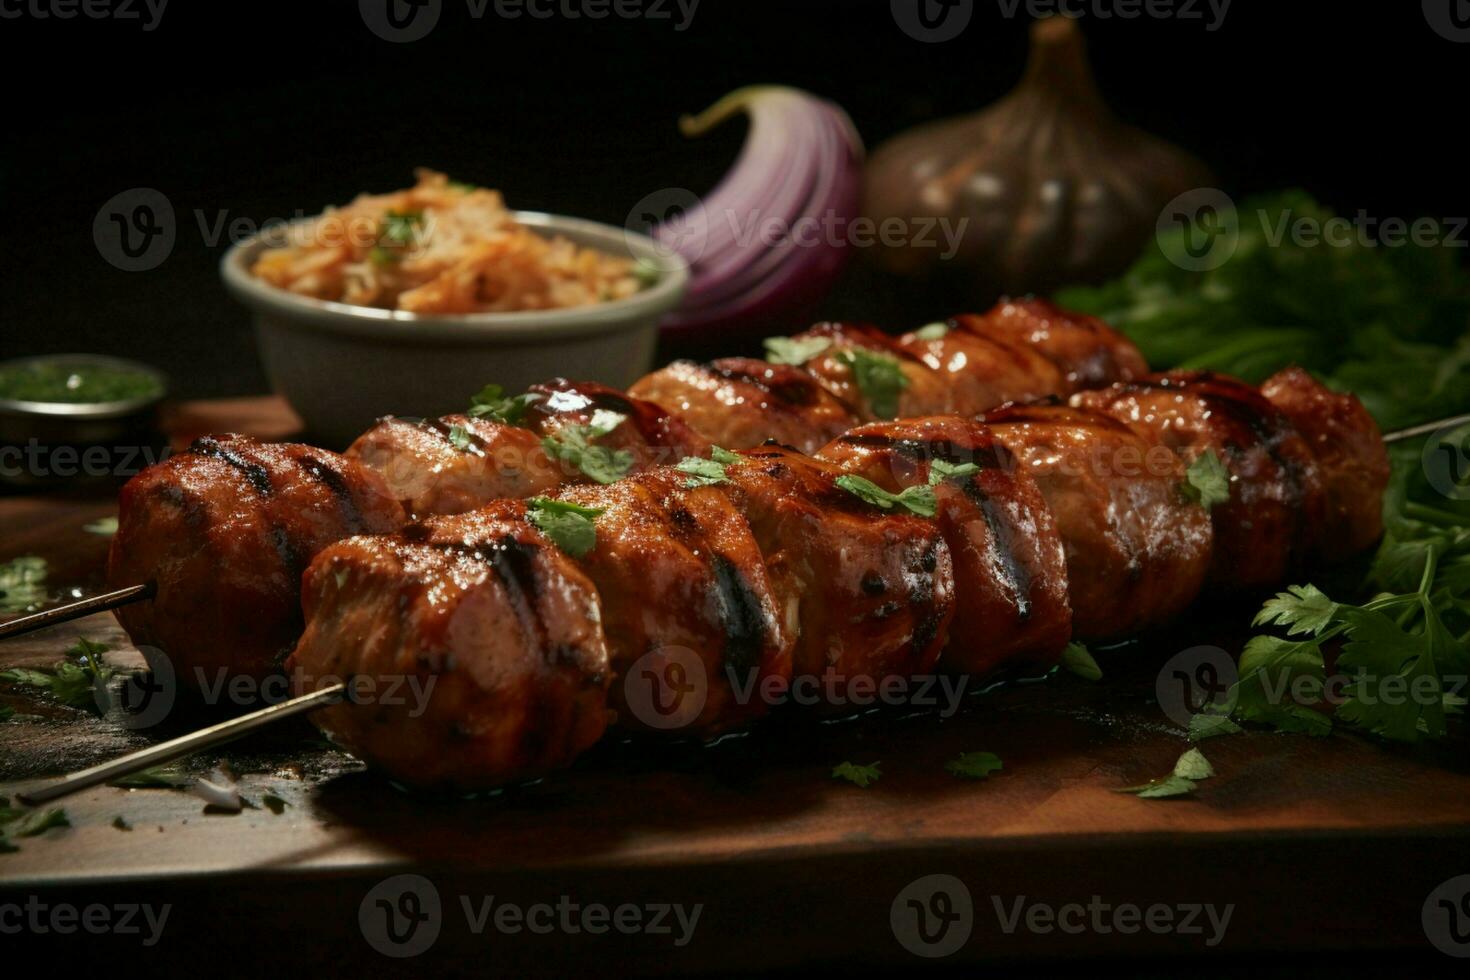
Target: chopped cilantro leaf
<point>574,444</point>
<point>932,331</point>
<point>858,775</point>
<point>795,350</point>
<point>22,583</point>
<point>1078,659</point>
<point>568,525</point>
<point>724,456</point>
<point>974,765</point>
<point>701,472</point>
<point>647,272</point>
<point>941,470</point>
<point>490,402</point>
<point>879,377</point>
<point>1207,481</point>
<point>1203,726</point>
<point>105,526</point>
<point>1191,768</point>
<point>917,499</point>
<point>459,437</point>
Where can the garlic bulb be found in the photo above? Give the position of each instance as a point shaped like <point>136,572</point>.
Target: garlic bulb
<point>1043,189</point>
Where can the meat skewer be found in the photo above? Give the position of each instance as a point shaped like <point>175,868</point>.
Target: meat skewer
<point>457,463</point>
<point>521,636</point>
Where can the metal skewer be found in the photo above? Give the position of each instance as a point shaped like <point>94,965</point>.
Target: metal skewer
<point>76,610</point>
<point>1426,428</point>
<point>225,731</point>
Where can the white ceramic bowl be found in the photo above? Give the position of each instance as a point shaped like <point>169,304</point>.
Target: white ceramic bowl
<point>342,366</point>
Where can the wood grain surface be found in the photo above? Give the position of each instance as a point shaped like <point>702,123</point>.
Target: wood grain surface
<point>1331,842</point>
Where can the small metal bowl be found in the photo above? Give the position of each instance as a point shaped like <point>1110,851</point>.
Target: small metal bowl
<point>47,443</point>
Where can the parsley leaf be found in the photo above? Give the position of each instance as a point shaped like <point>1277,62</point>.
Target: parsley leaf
<point>941,470</point>
<point>1269,666</point>
<point>1191,768</point>
<point>105,526</point>
<point>879,377</point>
<point>932,331</point>
<point>568,525</point>
<point>573,444</point>
<point>973,765</point>
<point>917,499</point>
<point>701,472</point>
<point>1203,726</point>
<point>490,402</point>
<point>1078,659</point>
<point>459,437</point>
<point>22,583</point>
<point>858,775</point>
<point>1207,481</point>
<point>724,456</point>
<point>72,682</point>
<point>795,350</point>
<point>1302,609</point>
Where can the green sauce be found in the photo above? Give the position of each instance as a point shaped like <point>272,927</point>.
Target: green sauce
<point>75,383</point>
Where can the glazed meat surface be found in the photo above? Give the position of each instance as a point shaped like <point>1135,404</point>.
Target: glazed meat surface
<point>982,372</point>
<point>457,463</point>
<point>1137,549</point>
<point>739,403</point>
<point>483,641</point>
<point>840,367</point>
<point>870,593</point>
<point>1276,505</point>
<point>1088,352</point>
<point>1010,569</point>
<point>224,531</point>
<point>694,627</point>
<point>1350,455</point>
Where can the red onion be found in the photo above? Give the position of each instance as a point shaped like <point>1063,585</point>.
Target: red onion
<point>797,182</point>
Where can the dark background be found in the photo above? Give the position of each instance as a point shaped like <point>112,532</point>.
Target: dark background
<point>261,110</point>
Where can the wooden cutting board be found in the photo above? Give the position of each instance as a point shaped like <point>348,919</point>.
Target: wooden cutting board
<point>1314,843</point>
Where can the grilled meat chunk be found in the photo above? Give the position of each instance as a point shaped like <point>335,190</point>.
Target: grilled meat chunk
<point>695,630</point>
<point>1137,549</point>
<point>869,593</point>
<point>1350,456</point>
<point>739,403</point>
<point>457,463</point>
<point>983,371</point>
<point>481,642</point>
<point>1277,503</point>
<point>876,375</point>
<point>1010,570</point>
<point>1089,352</point>
<point>224,531</point>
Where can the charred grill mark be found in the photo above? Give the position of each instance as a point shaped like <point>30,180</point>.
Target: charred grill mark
<point>1004,541</point>
<point>291,557</point>
<point>873,584</point>
<point>328,477</point>
<point>741,615</point>
<point>256,474</point>
<point>797,390</point>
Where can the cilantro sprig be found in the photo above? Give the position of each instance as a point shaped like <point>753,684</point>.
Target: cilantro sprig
<point>861,776</point>
<point>974,765</point>
<point>73,681</point>
<point>22,583</point>
<point>1189,771</point>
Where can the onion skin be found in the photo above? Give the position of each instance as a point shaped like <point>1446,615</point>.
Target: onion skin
<point>802,162</point>
<point>1052,188</point>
